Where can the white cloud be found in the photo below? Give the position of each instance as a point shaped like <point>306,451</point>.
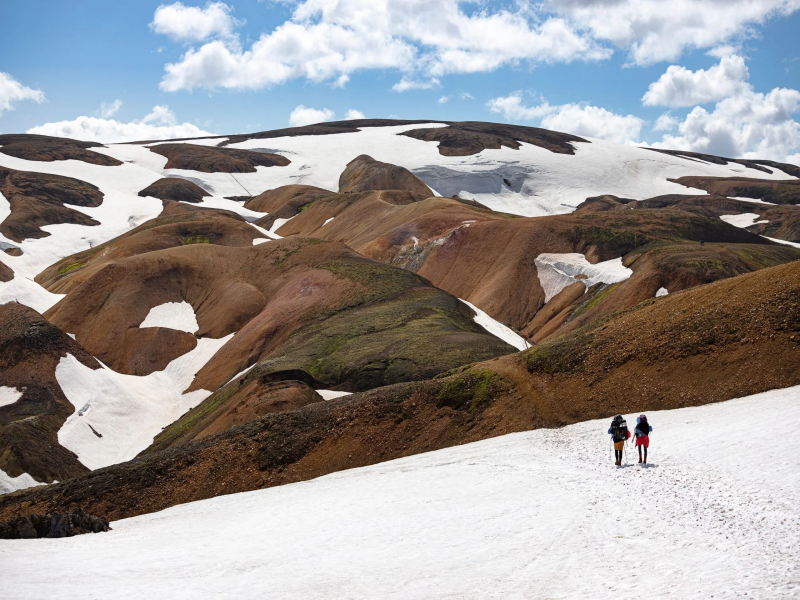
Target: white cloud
<point>444,99</point>
<point>665,122</point>
<point>511,108</point>
<point>329,39</point>
<point>578,119</point>
<point>308,116</point>
<point>353,114</point>
<point>593,121</point>
<point>749,125</point>
<point>656,30</point>
<point>159,124</point>
<point>681,87</point>
<point>109,109</point>
<point>12,91</point>
<point>192,24</point>
<point>406,84</point>
<point>466,96</point>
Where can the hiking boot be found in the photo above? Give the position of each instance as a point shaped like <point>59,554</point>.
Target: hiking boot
<point>640,459</point>
<point>645,461</point>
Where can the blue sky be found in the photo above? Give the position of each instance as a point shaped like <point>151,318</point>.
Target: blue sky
<point>727,71</point>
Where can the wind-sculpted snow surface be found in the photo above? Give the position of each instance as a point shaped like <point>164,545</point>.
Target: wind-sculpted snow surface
<point>116,416</point>
<point>539,514</point>
<point>557,271</point>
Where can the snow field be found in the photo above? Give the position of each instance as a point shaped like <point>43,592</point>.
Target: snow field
<point>332,394</point>
<point>10,484</point>
<point>497,329</point>
<point>173,315</point>
<point>557,271</point>
<point>743,220</point>
<point>662,291</point>
<point>540,514</point>
<point>9,395</point>
<point>116,415</point>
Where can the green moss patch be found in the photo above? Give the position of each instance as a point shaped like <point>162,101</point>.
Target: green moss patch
<point>471,391</point>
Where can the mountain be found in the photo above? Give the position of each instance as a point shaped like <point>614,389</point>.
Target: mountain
<point>193,300</point>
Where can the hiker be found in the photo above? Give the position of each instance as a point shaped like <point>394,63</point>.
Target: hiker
<point>619,434</point>
<point>641,436</point>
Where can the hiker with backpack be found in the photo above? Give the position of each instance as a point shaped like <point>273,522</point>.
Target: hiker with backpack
<point>619,435</point>
<point>641,436</point>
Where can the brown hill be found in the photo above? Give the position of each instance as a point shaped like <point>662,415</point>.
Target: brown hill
<point>175,188</point>
<point>471,137</point>
<point>177,225</point>
<point>488,258</point>
<point>728,339</point>
<point>30,349</point>
<point>210,159</point>
<point>38,199</point>
<point>364,173</point>
<point>47,149</point>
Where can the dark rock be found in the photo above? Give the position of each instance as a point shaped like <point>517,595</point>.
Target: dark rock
<point>57,525</point>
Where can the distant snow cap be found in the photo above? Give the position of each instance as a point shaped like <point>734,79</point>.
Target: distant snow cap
<point>172,315</point>
<point>661,292</point>
<point>557,271</point>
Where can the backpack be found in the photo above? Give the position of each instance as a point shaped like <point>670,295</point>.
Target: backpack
<point>619,430</point>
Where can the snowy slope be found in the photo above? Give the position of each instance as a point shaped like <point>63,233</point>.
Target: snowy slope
<point>542,514</point>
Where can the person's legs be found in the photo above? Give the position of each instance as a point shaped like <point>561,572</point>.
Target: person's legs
<point>645,453</point>
<point>639,448</point>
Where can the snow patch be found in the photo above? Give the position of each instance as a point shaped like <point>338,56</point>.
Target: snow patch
<point>172,315</point>
<point>327,221</point>
<point>332,394</point>
<point>117,416</point>
<point>784,242</point>
<point>744,220</point>
<point>557,271</point>
<point>497,329</point>
<point>548,515</point>
<point>661,292</point>
<point>753,200</point>
<point>9,395</point>
<point>257,241</point>
<point>10,484</point>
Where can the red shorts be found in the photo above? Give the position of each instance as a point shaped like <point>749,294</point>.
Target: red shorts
<point>643,441</point>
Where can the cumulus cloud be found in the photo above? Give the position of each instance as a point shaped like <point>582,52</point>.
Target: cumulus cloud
<point>749,125</point>
<point>12,91</point>
<point>578,119</point>
<point>353,114</point>
<point>665,122</point>
<point>444,100</point>
<point>681,87</point>
<point>159,124</point>
<point>109,109</point>
<point>193,24</point>
<point>302,115</point>
<point>330,39</point>
<point>655,30</point>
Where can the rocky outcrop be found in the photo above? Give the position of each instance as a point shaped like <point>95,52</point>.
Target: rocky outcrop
<point>47,149</point>
<point>471,137</point>
<point>210,159</point>
<point>39,199</point>
<point>364,173</point>
<point>57,525</point>
<point>175,188</point>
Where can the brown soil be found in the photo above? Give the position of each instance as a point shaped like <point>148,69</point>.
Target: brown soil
<point>488,258</point>
<point>175,188</point>
<point>47,149</point>
<point>30,349</point>
<point>210,159</point>
<point>178,225</point>
<point>284,202</point>
<point>364,173</point>
<point>471,137</point>
<point>776,192</point>
<point>38,199</point>
<point>728,339</point>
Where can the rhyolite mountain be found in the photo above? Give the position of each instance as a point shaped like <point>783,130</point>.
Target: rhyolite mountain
<point>167,307</point>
